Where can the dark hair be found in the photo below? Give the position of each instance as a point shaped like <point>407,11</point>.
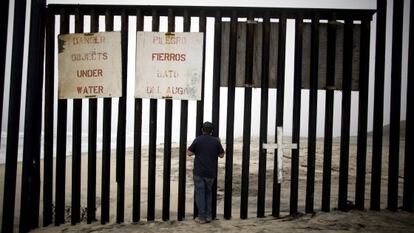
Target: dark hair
<point>207,127</point>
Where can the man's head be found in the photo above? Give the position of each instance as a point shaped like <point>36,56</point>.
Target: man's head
<point>207,127</point>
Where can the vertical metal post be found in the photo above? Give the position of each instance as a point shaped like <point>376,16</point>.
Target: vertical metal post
<point>230,117</point>
<point>346,115</point>
<point>167,140</point>
<point>329,96</point>
<point>294,183</point>
<point>394,148</point>
<point>120,142</point>
<point>92,128</point>
<point>313,104</point>
<point>279,109</point>
<point>61,142</point>
<point>363,113</point>
<point>48,120</point>
<point>248,75</point>
<point>182,160</point>
<point>152,140</point>
<point>14,116</point>
<point>216,95</point>
<point>200,104</point>
<point>136,198</point>
<point>263,116</point>
<point>378,105</point>
<point>77,141</point>
<point>4,22</point>
<point>106,138</point>
<point>408,193</point>
<point>30,198</point>
<point>183,143</point>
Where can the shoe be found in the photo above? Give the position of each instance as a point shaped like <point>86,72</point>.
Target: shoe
<point>208,220</point>
<point>200,221</point>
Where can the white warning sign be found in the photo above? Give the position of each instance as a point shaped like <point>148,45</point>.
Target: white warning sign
<point>90,65</point>
<point>169,65</point>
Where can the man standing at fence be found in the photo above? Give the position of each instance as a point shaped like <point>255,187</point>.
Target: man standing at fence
<point>206,149</point>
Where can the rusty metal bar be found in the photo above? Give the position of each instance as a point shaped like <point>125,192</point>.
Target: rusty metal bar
<point>210,11</point>
<point>30,191</point>
<point>248,75</point>
<point>92,127</point>
<point>200,104</point>
<point>216,96</point>
<point>346,117</point>
<point>281,61</point>
<point>136,199</point>
<point>408,193</point>
<point>76,143</point>
<point>294,183</point>
<point>313,102</point>
<point>152,150</point>
<point>61,143</point>
<point>228,190</point>
<point>106,139</point>
<point>120,142</point>
<point>48,119</point>
<point>330,82</point>
<point>378,105</point>
<point>167,141</point>
<point>4,22</point>
<point>395,109</point>
<point>264,99</point>
<point>14,116</point>
<point>183,144</point>
<point>363,114</point>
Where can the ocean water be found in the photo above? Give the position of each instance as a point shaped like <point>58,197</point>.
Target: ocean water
<point>128,144</point>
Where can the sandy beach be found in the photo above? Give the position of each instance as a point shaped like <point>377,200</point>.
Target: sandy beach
<point>353,221</point>
<point>334,221</point>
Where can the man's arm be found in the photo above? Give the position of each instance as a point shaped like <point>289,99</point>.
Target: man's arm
<point>221,155</point>
<point>189,152</point>
<point>191,148</point>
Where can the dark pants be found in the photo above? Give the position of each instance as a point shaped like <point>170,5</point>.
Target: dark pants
<point>203,190</point>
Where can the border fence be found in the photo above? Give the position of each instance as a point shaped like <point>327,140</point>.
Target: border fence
<point>311,25</point>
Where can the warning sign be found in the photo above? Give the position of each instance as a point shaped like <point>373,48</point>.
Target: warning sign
<point>169,65</point>
<point>90,65</point>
